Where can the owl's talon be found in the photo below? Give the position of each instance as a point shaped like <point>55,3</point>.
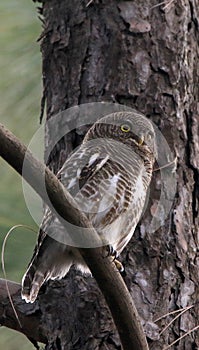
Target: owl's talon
<point>119,266</point>
<point>112,252</point>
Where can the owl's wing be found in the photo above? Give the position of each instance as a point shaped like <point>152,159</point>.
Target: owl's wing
<point>72,176</point>
<point>98,186</point>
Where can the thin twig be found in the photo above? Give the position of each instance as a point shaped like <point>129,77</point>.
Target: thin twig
<point>4,269</point>
<point>167,4</point>
<point>184,335</point>
<point>89,3</point>
<point>181,313</point>
<point>172,312</point>
<point>166,165</point>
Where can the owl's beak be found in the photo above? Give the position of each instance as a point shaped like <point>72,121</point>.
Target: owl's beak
<point>139,140</point>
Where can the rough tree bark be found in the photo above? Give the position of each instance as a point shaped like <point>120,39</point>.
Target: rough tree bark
<point>144,57</point>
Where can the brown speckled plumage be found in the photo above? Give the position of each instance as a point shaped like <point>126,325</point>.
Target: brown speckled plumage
<point>108,176</point>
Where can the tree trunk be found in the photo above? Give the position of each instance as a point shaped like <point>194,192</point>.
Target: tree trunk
<point>143,57</point>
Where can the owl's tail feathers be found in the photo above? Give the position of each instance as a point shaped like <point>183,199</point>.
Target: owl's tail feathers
<point>31,284</point>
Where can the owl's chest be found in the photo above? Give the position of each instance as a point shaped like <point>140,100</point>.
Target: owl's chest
<point>118,231</point>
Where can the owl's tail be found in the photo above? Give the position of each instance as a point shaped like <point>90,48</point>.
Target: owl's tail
<point>51,260</point>
<point>32,281</point>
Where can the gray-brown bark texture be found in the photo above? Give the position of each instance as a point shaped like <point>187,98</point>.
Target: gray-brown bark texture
<point>146,58</point>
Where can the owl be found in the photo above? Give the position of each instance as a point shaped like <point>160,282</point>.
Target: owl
<point>108,176</point>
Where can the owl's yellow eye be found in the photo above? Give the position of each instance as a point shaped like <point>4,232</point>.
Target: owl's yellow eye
<point>125,128</point>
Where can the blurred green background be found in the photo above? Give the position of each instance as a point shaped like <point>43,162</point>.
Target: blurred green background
<point>20,94</point>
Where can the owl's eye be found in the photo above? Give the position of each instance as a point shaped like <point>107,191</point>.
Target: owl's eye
<point>125,128</point>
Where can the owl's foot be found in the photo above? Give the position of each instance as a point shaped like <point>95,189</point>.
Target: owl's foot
<point>112,252</point>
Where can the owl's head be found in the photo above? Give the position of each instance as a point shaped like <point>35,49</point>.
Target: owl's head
<point>130,128</point>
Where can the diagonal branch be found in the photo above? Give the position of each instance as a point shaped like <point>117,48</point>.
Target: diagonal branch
<point>58,199</point>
